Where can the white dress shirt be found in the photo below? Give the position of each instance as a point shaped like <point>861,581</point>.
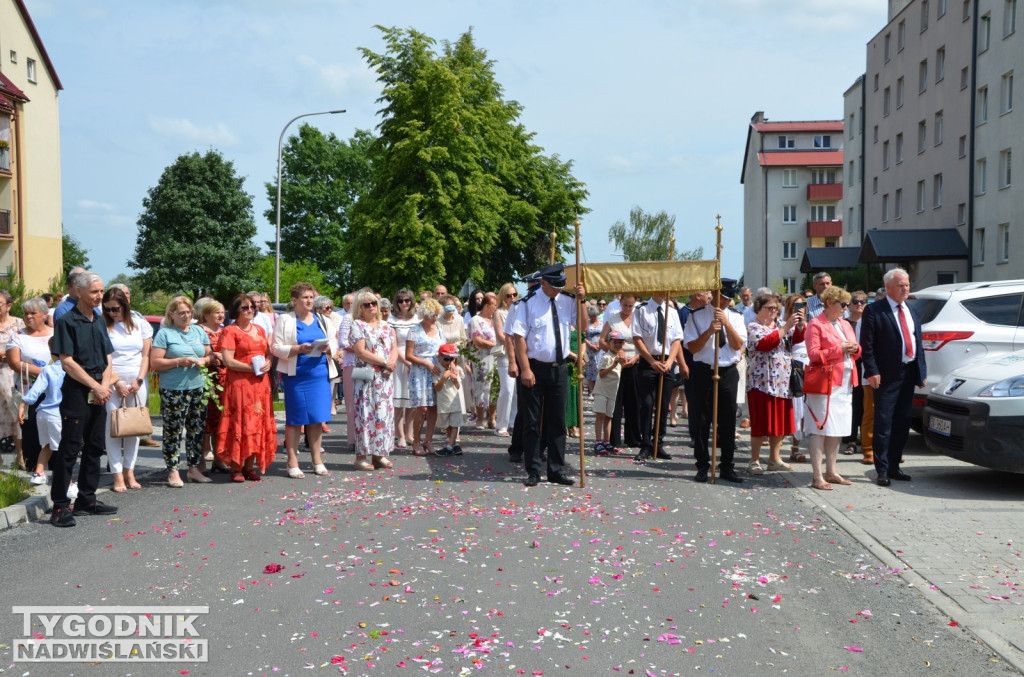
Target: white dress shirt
<point>645,326</point>
<point>533,322</point>
<point>699,322</point>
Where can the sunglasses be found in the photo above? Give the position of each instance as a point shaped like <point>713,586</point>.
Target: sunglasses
<point>601,303</point>
<point>112,309</point>
<point>241,308</point>
<point>770,308</point>
<point>511,296</point>
<point>447,358</point>
<point>844,305</point>
<point>370,304</point>
<point>859,302</point>
<point>404,301</point>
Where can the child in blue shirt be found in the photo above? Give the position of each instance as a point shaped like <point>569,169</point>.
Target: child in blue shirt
<point>48,383</point>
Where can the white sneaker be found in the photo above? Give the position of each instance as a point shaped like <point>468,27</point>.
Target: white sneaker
<point>73,491</point>
<point>754,468</point>
<point>38,478</point>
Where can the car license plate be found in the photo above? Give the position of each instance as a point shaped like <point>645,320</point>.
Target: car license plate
<point>938,425</point>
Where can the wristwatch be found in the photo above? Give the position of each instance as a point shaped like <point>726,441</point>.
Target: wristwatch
<point>140,381</point>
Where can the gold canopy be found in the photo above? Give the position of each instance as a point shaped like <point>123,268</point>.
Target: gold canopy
<point>647,277</point>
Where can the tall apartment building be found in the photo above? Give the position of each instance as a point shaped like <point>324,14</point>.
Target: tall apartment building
<point>792,180</point>
<point>30,202</point>
<point>933,129</point>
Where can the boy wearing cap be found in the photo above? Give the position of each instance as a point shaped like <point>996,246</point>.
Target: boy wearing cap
<point>609,370</point>
<point>449,402</point>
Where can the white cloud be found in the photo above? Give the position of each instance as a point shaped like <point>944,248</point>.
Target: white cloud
<point>339,78</point>
<point>93,205</point>
<point>184,128</point>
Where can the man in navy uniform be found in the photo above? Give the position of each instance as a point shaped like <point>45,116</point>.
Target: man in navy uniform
<point>541,335</point>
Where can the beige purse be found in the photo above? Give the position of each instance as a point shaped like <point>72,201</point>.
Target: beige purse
<point>128,421</point>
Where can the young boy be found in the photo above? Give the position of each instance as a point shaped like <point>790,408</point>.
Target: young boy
<point>48,383</point>
<point>609,369</point>
<point>449,399</point>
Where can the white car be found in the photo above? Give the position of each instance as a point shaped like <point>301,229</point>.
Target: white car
<point>976,414</point>
<point>965,323</point>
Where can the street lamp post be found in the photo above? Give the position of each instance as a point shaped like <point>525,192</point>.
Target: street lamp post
<point>277,254</point>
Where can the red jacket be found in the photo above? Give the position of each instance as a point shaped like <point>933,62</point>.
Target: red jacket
<point>825,347</point>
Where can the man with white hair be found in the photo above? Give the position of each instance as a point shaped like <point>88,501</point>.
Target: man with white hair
<point>71,299</point>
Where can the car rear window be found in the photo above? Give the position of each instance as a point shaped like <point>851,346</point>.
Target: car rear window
<point>1001,310</point>
<point>928,309</point>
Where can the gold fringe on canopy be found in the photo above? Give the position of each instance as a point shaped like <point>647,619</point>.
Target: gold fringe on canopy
<point>647,277</point>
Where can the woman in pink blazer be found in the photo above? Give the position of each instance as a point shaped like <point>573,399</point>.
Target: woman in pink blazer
<point>827,418</point>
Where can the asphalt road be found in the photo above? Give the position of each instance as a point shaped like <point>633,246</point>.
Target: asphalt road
<point>451,566</point>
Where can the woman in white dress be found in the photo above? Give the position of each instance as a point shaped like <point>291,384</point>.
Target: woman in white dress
<point>827,418</point>
<point>403,318</point>
<point>27,354</point>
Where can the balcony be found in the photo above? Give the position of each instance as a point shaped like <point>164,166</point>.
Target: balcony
<point>824,191</point>
<point>825,228</point>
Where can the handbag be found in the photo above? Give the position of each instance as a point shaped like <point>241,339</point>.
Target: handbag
<point>128,421</point>
<point>362,373</point>
<point>796,379</point>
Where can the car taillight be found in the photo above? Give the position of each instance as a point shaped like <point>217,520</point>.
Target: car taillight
<point>934,340</point>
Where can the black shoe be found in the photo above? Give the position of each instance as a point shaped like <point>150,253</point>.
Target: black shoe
<point>515,458</point>
<point>96,508</point>
<point>730,476</point>
<point>643,456</point>
<point>884,481</point>
<point>62,517</point>
<point>559,478</point>
<point>532,481</point>
<point>899,475</point>
<point>701,476</point>
<point>664,455</point>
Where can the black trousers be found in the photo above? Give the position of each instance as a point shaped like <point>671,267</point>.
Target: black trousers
<point>894,401</point>
<point>701,410</point>
<point>81,430</point>
<point>647,384</point>
<point>545,401</point>
<point>627,409</point>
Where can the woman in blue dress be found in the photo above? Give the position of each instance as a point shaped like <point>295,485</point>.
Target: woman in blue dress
<point>421,352</point>
<point>300,344</point>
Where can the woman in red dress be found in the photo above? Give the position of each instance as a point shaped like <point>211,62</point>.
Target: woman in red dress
<point>248,431</point>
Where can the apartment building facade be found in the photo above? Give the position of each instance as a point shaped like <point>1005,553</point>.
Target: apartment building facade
<point>30,180</point>
<point>792,180</point>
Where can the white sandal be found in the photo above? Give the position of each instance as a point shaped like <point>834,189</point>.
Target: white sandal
<point>320,469</point>
<point>295,473</point>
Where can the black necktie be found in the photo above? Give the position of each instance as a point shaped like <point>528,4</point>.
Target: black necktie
<point>721,334</point>
<point>559,355</point>
<point>661,326</point>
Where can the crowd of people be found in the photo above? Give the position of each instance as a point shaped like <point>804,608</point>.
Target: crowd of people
<point>829,367</point>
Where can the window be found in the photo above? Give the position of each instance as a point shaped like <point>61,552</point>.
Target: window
<point>924,15</point>
<point>899,203</point>
<point>823,213</point>
<point>979,254</point>
<point>888,47</point>
<point>984,33</point>
<point>961,214</point>
<point>920,196</point>
<point>1006,94</point>
<point>1005,163</point>
<point>982,105</point>
<point>1009,18</point>
<point>964,78</point>
<point>885,155</point>
<point>850,173</point>
<point>789,213</point>
<point>940,9</point>
<point>787,142</point>
<point>963,146</point>
<point>788,250</point>
<point>14,56</point>
<point>940,64</point>
<point>823,141</point>
<point>940,123</point>
<point>885,208</point>
<point>789,178</point>
<point>899,92</point>
<point>937,191</point>
<point>790,283</point>
<point>922,76</point>
<point>1003,243</point>
<point>946,277</point>
<point>901,36</point>
<point>823,176</point>
<point>851,128</point>
<point>886,100</point>
<point>899,148</point>
<point>876,82</point>
<point>966,10</point>
<point>1002,310</point>
<point>980,176</point>
<point>876,134</point>
<point>874,185</point>
<point>922,135</point>
<point>30,69</point>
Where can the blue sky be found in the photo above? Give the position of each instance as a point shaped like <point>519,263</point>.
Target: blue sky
<point>651,100</point>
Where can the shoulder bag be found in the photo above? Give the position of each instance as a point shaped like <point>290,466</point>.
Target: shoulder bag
<point>818,381</point>
<point>128,421</point>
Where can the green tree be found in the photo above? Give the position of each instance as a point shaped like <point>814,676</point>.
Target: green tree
<point>196,230</point>
<point>322,177</point>
<point>458,188</point>
<point>299,271</point>
<point>648,237</point>
<point>75,255</point>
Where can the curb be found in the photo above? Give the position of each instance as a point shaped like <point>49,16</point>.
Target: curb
<point>1006,650</point>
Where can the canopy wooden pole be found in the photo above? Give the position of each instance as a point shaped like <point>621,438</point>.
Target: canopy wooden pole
<point>718,303</point>
<point>551,257</point>
<point>580,347</point>
<point>661,378</point>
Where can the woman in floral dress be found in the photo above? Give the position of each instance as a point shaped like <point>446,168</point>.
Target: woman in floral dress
<point>10,431</point>
<point>373,343</point>
<point>421,351</point>
<point>481,332</point>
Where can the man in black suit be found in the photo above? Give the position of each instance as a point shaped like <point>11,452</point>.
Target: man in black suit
<point>893,359</point>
